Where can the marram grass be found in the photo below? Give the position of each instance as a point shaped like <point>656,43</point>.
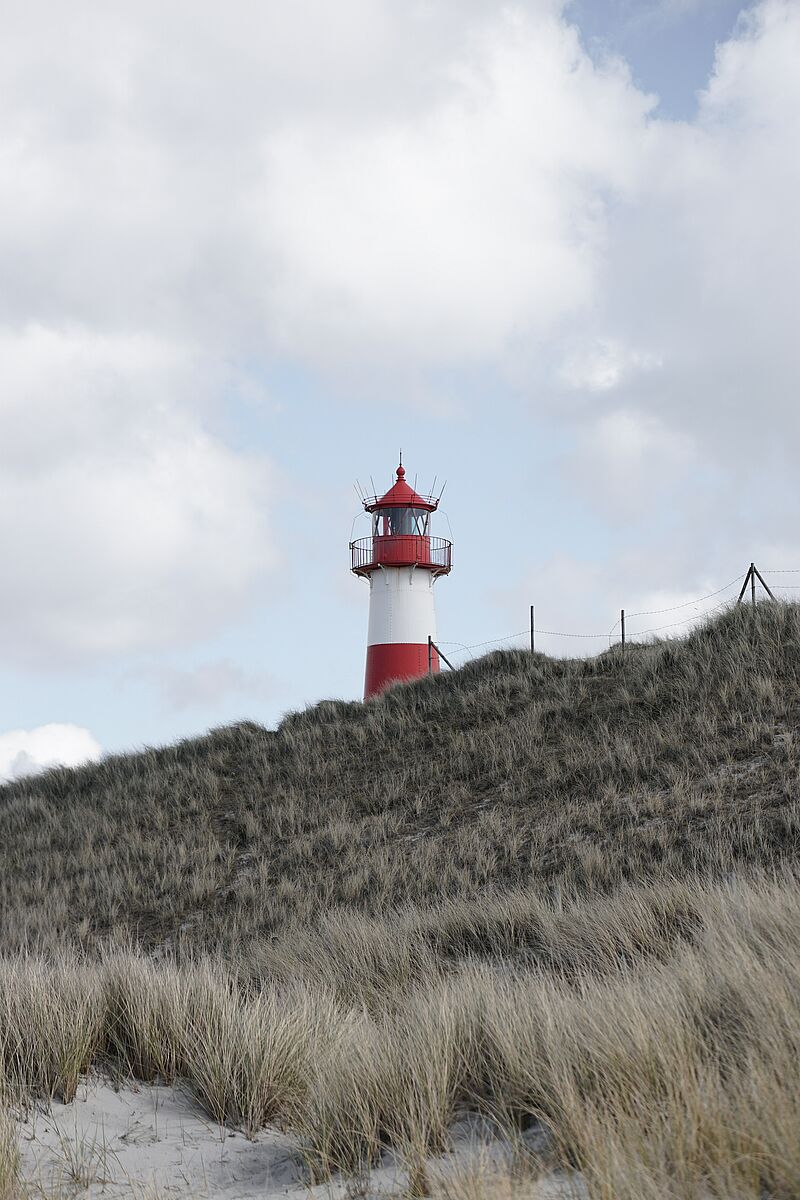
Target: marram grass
<point>541,891</point>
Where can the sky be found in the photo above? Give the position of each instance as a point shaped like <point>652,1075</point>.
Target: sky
<point>249,251</point>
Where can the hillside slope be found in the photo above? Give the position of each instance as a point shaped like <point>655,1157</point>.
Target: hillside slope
<point>563,778</point>
<point>558,899</point>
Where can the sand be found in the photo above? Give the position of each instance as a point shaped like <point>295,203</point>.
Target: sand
<point>154,1142</point>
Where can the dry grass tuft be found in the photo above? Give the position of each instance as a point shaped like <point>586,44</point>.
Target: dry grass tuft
<point>9,1156</point>
<point>249,1058</point>
<point>49,1024</point>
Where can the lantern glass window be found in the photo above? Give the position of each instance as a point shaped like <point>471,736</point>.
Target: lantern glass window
<point>394,522</point>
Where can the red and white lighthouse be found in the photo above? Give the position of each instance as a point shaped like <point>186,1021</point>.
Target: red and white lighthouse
<point>402,561</point>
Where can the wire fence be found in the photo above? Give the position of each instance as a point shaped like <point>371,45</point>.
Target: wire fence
<point>620,632</point>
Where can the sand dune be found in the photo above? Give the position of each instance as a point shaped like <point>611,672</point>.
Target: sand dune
<point>151,1141</point>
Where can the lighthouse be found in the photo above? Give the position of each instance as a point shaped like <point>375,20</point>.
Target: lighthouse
<point>402,561</point>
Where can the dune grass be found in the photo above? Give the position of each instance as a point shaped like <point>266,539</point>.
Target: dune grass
<point>556,892</point>
<point>9,1153</point>
<point>575,776</point>
<point>670,1071</point>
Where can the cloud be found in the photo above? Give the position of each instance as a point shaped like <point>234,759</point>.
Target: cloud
<point>370,180</point>
<point>124,524</point>
<point>628,463</point>
<point>377,185</point>
<point>210,683</point>
<point>27,752</point>
<point>678,383</point>
<point>603,365</point>
<point>435,185</point>
<point>658,14</point>
<point>450,235</point>
<point>381,191</point>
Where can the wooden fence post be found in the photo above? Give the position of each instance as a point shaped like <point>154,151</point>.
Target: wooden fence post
<point>747,579</point>
<point>761,581</point>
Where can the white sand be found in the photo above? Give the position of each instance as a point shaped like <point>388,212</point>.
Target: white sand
<point>150,1142</point>
<point>154,1142</point>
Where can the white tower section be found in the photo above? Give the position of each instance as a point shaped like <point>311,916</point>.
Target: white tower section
<point>401,607</point>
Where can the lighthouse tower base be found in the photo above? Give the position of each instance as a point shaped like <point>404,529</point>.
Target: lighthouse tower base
<point>402,617</point>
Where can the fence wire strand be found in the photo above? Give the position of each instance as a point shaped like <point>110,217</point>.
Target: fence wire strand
<point>698,616</point>
<point>489,642</point>
<point>654,612</point>
<point>465,649</point>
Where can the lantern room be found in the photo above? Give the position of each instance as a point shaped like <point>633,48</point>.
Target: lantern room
<point>401,535</point>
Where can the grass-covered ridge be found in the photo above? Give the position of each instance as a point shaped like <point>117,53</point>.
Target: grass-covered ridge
<point>564,892</point>
<point>516,772</point>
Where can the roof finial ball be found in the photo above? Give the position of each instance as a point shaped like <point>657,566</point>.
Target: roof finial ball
<point>402,561</point>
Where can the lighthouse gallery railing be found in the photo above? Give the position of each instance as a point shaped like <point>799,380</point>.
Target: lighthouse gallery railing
<point>400,550</point>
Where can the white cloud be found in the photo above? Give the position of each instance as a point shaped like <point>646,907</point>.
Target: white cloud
<point>362,180</point>
<point>210,683</point>
<point>182,189</point>
<point>702,262</point>
<point>388,189</point>
<point>427,183</point>
<point>629,463</point>
<point>604,364</point>
<point>452,234</point>
<point>124,525</point>
<point>27,752</point>
<point>661,13</point>
<point>700,433</point>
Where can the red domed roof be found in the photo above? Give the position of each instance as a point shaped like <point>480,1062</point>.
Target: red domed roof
<point>400,495</point>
